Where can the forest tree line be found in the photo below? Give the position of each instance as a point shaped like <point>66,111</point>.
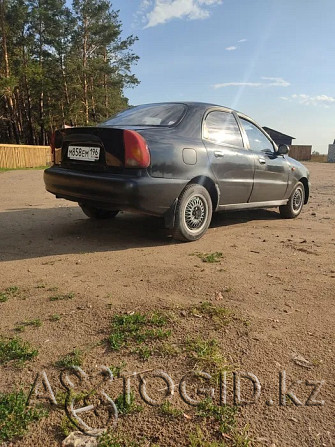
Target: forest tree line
<point>60,66</point>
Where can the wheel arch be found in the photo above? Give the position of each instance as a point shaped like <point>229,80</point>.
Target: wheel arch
<point>304,181</point>
<point>211,187</point>
<point>206,182</point>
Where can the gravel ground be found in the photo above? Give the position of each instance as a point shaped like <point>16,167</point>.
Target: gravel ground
<point>275,278</point>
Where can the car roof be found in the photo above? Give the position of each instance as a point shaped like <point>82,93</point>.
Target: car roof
<point>187,103</point>
<point>197,104</point>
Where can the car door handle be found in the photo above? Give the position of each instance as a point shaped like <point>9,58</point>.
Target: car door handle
<point>218,154</point>
<point>262,160</point>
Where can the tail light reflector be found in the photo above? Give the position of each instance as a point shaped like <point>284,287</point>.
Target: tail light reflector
<point>137,154</point>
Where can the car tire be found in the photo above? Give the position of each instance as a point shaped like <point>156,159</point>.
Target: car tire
<point>193,213</point>
<point>97,213</point>
<point>295,203</point>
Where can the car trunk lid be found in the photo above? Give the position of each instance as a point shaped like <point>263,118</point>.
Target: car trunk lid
<point>100,148</point>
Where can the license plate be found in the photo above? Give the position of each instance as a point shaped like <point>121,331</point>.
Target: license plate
<point>86,153</point>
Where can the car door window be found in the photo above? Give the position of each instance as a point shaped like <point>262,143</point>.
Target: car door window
<point>257,140</point>
<point>222,128</point>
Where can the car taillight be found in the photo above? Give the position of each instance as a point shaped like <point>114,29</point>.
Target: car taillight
<point>136,151</point>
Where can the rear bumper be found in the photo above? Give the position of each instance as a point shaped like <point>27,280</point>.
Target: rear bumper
<point>114,191</point>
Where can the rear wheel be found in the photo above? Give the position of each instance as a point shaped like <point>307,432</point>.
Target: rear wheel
<point>193,213</point>
<point>97,213</point>
<point>295,203</point>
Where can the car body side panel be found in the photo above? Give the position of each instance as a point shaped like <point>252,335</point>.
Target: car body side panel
<point>297,171</point>
<point>167,145</point>
<point>168,157</point>
<point>234,172</point>
<point>271,177</point>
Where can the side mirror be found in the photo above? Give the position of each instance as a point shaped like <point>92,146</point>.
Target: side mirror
<point>283,149</point>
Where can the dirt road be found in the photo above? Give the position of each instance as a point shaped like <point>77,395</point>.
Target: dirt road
<point>275,278</point>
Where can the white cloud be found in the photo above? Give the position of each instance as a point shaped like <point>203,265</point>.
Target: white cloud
<point>234,47</point>
<point>308,100</point>
<point>271,82</point>
<point>238,84</point>
<point>156,12</point>
<point>275,82</point>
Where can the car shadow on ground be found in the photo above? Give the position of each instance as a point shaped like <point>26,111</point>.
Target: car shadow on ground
<point>37,232</point>
<point>227,218</point>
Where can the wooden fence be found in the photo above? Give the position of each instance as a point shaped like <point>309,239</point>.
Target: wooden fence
<point>19,156</point>
<point>301,153</point>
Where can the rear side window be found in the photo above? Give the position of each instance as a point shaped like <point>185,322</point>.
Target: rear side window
<point>161,115</point>
<point>222,128</point>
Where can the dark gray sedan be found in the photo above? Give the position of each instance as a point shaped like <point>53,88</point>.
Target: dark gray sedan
<point>181,161</point>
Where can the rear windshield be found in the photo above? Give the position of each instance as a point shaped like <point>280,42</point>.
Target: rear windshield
<point>161,115</point>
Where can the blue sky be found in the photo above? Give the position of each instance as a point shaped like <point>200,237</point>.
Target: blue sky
<point>271,59</point>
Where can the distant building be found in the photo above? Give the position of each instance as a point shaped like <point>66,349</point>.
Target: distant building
<point>279,137</point>
<point>331,153</point>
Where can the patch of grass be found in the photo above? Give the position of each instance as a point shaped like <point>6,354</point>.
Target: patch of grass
<point>13,290</point>
<point>241,438</point>
<point>23,169</point>
<point>15,349</point>
<point>116,370</point>
<point>16,416</point>
<point>130,324</point>
<point>224,414</point>
<point>167,409</point>
<point>9,292</point>
<point>152,334</point>
<point>198,439</point>
<point>55,317</point>
<point>76,396</point>
<point>205,353</point>
<point>67,426</point>
<point>116,340</point>
<point>158,319</point>
<point>220,315</point>
<point>143,352</point>
<point>138,328</point>
<point>125,406</point>
<point>114,440</point>
<point>209,257</point>
<point>66,296</point>
<point>167,350</point>
<point>3,297</point>
<point>74,358</point>
<point>61,398</point>
<point>34,323</point>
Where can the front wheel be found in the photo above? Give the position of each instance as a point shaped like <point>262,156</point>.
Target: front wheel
<point>193,213</point>
<point>97,213</point>
<point>295,203</point>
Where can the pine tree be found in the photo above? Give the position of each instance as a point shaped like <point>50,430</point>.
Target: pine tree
<point>60,66</point>
<point>103,60</point>
<point>7,82</point>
